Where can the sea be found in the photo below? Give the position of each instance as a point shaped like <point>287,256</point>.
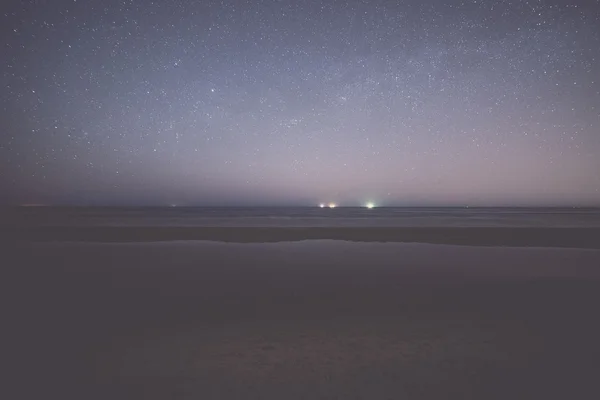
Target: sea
<point>301,216</point>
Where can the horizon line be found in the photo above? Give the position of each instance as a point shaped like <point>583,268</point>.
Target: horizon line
<point>290,206</point>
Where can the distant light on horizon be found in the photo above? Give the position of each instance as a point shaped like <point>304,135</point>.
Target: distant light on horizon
<point>332,205</point>
<point>370,205</point>
<point>322,205</point>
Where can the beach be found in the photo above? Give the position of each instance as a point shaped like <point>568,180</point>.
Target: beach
<point>303,319</point>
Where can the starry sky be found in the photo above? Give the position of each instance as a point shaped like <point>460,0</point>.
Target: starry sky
<point>296,102</point>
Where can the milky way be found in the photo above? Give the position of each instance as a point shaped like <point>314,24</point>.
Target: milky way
<point>300,102</point>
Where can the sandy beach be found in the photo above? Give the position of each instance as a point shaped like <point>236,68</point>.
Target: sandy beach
<point>309,319</point>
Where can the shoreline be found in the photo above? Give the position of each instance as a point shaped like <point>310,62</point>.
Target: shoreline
<point>583,238</point>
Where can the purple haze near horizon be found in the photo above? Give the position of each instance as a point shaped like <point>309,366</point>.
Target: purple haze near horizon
<point>300,102</point>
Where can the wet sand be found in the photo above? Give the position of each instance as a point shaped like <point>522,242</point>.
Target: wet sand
<point>312,319</point>
<point>471,236</point>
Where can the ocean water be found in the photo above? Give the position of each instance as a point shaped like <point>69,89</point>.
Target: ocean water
<point>301,217</point>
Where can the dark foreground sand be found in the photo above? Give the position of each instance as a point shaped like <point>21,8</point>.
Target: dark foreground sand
<point>312,320</point>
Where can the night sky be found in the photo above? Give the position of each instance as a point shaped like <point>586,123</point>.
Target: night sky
<point>298,102</point>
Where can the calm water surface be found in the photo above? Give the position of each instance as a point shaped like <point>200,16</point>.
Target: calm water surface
<point>302,216</point>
